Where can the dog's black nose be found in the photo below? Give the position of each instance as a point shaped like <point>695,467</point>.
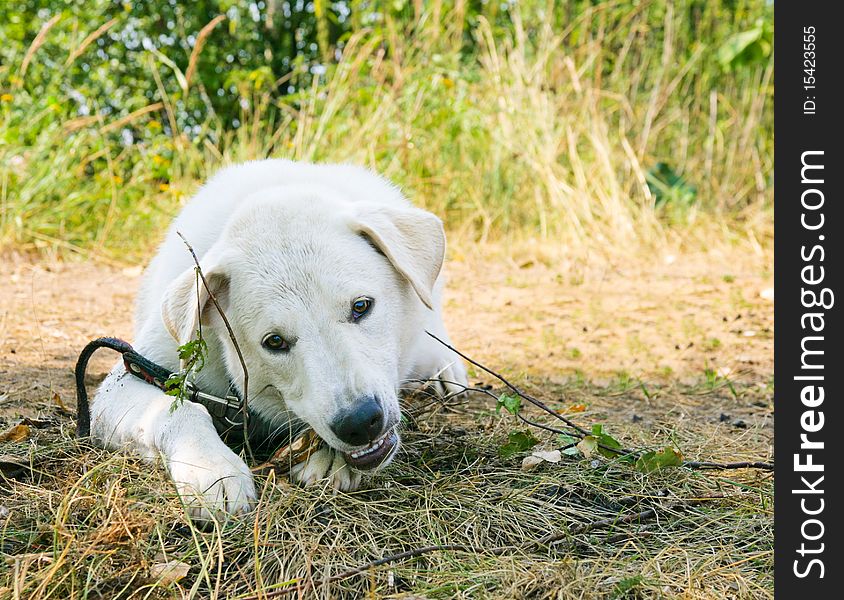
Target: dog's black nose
<point>361,424</point>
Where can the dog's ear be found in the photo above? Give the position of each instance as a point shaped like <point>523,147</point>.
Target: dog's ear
<point>413,240</point>
<point>185,302</point>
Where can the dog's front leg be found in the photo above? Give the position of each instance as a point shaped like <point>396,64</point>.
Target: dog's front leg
<point>212,480</point>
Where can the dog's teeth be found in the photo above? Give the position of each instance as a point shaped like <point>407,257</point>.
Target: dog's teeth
<point>371,448</point>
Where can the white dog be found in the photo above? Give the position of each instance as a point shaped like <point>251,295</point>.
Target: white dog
<point>329,279</point>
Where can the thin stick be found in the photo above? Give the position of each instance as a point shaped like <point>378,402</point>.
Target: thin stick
<point>478,390</point>
<point>646,514</point>
<point>691,464</point>
<point>538,403</point>
<point>524,419</point>
<point>515,390</point>
<point>245,408</point>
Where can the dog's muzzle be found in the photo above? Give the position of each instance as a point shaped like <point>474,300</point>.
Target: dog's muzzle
<point>363,426</point>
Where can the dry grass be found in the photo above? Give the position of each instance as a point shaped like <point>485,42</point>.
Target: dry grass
<point>532,135</point>
<point>96,523</point>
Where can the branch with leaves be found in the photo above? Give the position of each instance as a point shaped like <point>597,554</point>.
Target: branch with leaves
<point>191,351</point>
<point>192,355</point>
<point>576,440</point>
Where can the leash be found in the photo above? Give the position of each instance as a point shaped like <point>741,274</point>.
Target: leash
<point>285,444</point>
<point>226,412</point>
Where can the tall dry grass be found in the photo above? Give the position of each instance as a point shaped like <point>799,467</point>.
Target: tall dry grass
<point>544,132</point>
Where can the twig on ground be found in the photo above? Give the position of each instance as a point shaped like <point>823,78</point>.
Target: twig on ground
<point>692,464</point>
<point>580,430</point>
<point>513,388</point>
<point>245,407</point>
<point>649,513</point>
<point>486,393</point>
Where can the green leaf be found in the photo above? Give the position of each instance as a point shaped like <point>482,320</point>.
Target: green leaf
<point>600,442</point>
<point>668,187</point>
<point>511,403</point>
<point>609,446</point>
<point>569,440</point>
<point>193,353</point>
<point>606,452</point>
<point>626,588</point>
<point>736,44</point>
<point>517,441</point>
<point>186,351</point>
<point>746,47</point>
<point>654,461</point>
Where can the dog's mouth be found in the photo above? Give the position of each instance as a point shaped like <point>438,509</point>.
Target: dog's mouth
<point>375,454</point>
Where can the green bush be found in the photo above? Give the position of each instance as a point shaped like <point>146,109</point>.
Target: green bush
<point>570,120</point>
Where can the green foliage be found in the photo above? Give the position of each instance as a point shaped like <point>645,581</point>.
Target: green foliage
<point>655,460</point>
<point>748,48</point>
<point>112,74</point>
<point>192,355</point>
<point>517,441</point>
<point>668,187</point>
<point>601,443</point>
<point>511,403</point>
<point>627,588</point>
<point>569,442</point>
<point>105,129</point>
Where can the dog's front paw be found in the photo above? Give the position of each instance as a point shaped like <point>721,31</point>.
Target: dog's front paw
<point>214,484</point>
<point>445,378</point>
<point>437,370</point>
<point>451,379</point>
<point>326,464</point>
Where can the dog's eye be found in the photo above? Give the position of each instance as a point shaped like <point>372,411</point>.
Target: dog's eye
<point>360,307</point>
<point>275,343</point>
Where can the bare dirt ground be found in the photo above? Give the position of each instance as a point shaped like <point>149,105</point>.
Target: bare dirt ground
<point>672,320</point>
<point>677,350</point>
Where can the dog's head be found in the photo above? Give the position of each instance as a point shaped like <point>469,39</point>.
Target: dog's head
<point>325,297</point>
